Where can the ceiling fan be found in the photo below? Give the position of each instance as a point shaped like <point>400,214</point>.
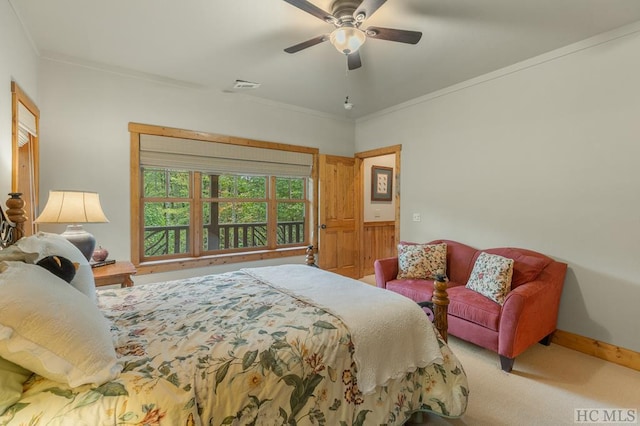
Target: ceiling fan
<point>347,16</point>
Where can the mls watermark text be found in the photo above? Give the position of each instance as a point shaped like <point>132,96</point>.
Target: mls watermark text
<point>605,415</point>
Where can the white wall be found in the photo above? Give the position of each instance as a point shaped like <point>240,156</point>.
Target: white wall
<point>378,211</point>
<point>543,155</point>
<point>18,62</point>
<point>85,139</point>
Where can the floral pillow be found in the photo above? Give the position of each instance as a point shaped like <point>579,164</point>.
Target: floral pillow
<point>421,261</point>
<point>491,276</point>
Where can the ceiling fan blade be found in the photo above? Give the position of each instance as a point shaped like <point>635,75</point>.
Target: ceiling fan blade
<point>298,47</point>
<point>312,9</point>
<point>391,34</point>
<point>353,60</point>
<point>368,8</point>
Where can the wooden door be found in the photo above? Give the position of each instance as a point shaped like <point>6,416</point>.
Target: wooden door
<point>339,210</point>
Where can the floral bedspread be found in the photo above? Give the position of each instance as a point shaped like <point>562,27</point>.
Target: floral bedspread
<point>227,349</point>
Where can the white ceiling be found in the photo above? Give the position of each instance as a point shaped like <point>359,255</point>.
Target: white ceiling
<point>211,43</point>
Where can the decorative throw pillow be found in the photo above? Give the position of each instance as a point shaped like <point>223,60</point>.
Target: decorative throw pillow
<point>421,261</point>
<point>47,244</point>
<point>491,276</point>
<point>12,377</point>
<point>59,266</point>
<point>51,329</point>
<point>526,267</point>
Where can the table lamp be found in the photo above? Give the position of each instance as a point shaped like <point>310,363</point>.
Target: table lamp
<point>74,208</point>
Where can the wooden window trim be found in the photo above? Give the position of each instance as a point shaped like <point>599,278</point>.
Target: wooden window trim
<point>199,260</point>
<point>18,96</point>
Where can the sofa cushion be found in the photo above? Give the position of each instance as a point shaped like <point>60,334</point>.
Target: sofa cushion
<point>416,290</point>
<point>527,264</point>
<point>460,258</point>
<point>491,276</point>
<point>421,261</point>
<point>473,307</point>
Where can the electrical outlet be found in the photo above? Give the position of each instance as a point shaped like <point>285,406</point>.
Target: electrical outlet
<point>416,217</point>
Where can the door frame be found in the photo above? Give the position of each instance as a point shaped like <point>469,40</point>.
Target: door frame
<point>360,156</point>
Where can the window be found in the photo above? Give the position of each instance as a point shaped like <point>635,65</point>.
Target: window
<point>25,153</point>
<point>205,199</point>
<point>235,212</point>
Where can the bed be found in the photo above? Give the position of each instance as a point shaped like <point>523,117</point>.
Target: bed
<point>288,344</point>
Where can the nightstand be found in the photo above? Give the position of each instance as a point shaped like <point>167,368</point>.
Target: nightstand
<point>116,273</point>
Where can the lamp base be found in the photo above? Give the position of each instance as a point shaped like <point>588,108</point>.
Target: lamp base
<point>80,238</point>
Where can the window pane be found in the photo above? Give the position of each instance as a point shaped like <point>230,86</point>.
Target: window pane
<point>289,188</point>
<point>291,223</point>
<point>166,228</point>
<point>231,225</point>
<point>165,183</point>
<point>210,185</point>
<point>239,212</point>
<point>239,186</point>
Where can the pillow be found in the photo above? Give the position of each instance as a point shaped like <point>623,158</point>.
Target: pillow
<point>59,266</point>
<point>47,244</point>
<point>12,377</point>
<point>14,253</point>
<point>491,276</point>
<point>48,327</point>
<point>526,268</point>
<point>421,261</point>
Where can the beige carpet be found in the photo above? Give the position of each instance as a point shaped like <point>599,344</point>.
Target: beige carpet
<point>546,385</point>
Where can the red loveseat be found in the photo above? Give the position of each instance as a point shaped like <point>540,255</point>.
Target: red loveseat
<point>529,313</point>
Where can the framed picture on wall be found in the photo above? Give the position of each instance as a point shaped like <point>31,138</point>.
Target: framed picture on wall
<point>381,183</point>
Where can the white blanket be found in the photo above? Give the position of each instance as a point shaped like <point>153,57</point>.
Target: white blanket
<point>390,333</point>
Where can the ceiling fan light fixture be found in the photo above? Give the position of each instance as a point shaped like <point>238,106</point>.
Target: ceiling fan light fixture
<point>347,39</point>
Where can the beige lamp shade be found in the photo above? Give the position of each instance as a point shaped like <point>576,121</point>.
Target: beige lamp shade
<point>72,207</point>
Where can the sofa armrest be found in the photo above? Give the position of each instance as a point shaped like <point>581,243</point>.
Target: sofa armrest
<point>530,311</point>
<point>385,270</point>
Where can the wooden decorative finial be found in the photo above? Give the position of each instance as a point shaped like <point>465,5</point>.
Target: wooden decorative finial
<point>12,232</point>
<point>440,301</point>
<point>310,258</point>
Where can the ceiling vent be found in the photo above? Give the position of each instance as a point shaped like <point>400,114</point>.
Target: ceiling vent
<point>245,85</point>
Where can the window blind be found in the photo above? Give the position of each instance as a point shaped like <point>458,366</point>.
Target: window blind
<point>26,125</point>
<point>221,158</point>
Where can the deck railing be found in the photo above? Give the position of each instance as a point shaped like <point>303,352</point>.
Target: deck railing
<point>163,240</point>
